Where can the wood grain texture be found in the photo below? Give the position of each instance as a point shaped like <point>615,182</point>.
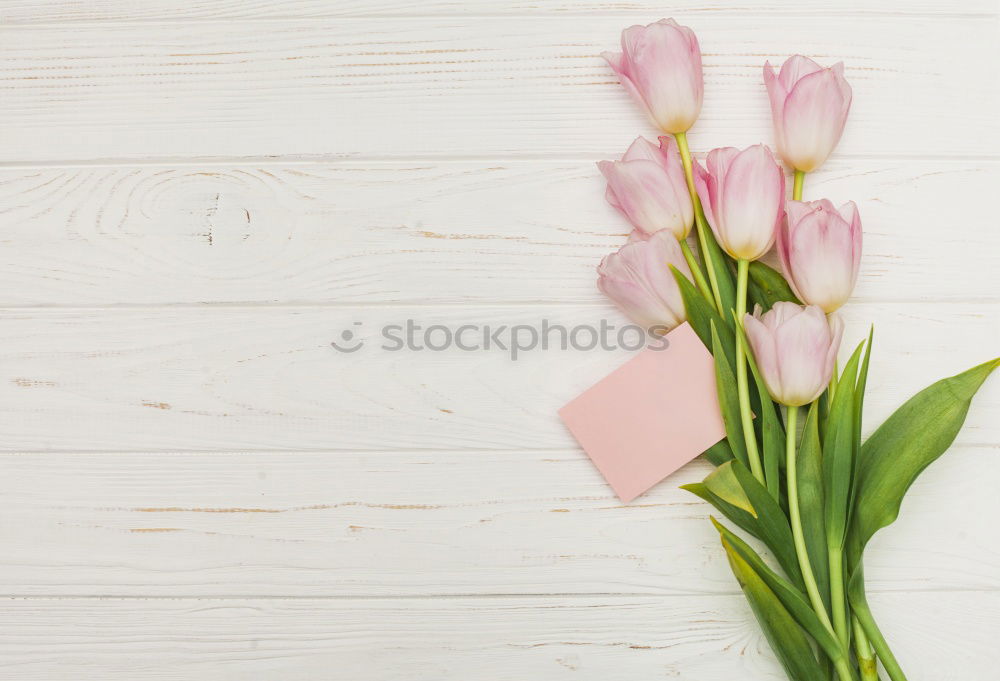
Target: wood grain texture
<point>443,232</point>
<point>197,197</point>
<point>611,637</point>
<point>422,524</point>
<point>268,378</point>
<point>52,11</point>
<point>481,86</point>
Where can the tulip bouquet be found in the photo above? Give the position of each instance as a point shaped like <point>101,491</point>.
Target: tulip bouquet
<point>794,471</point>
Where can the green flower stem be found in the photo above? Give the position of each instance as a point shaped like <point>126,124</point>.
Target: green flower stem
<point>843,668</point>
<point>742,386</point>
<point>864,652</point>
<point>832,389</point>
<point>862,648</point>
<point>880,645</point>
<point>682,146</point>
<point>838,601</point>
<point>812,589</point>
<point>798,179</point>
<point>699,276</point>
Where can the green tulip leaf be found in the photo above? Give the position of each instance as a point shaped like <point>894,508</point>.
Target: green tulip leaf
<point>753,510</point>
<point>743,519</point>
<point>859,403</point>
<point>791,598</point>
<point>701,315</point>
<point>787,639</point>
<point>838,455</point>
<point>729,401</point>
<point>911,439</point>
<point>809,465</point>
<point>915,436</point>
<point>767,286</point>
<point>719,453</point>
<point>772,523</point>
<point>720,263</point>
<point>723,483</point>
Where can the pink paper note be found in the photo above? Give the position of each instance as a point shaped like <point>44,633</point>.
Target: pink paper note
<point>651,416</point>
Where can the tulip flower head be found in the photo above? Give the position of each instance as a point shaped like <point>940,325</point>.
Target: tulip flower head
<point>809,106</point>
<point>638,279</point>
<point>820,251</point>
<point>795,348</point>
<point>743,194</point>
<point>660,66</point>
<point>649,188</point>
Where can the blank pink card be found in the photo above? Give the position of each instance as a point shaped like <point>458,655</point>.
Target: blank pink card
<point>651,416</point>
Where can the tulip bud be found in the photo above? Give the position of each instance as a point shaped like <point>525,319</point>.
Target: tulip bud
<point>649,188</point>
<point>660,66</point>
<point>795,348</point>
<point>820,251</point>
<point>809,106</point>
<point>743,194</point>
<point>638,279</point>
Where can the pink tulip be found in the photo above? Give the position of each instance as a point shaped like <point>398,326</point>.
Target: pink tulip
<point>743,194</point>
<point>795,348</point>
<point>649,188</point>
<point>820,251</point>
<point>660,66</point>
<point>639,280</point>
<point>809,105</point>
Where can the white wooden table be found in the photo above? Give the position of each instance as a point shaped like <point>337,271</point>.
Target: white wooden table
<point>197,197</point>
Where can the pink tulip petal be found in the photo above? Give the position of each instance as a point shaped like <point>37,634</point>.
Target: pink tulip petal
<point>670,160</point>
<point>781,244</point>
<point>814,115</point>
<point>660,66</point>
<point>649,188</point>
<point>616,60</point>
<point>672,94</point>
<point>822,248</point>
<point>638,279</point>
<point>776,93</point>
<point>795,69</point>
<point>764,352</point>
<point>809,107</point>
<point>705,186</point>
<point>849,211</point>
<point>796,210</point>
<point>607,168</point>
<point>845,88</point>
<point>610,197</point>
<point>820,252</point>
<point>750,202</point>
<point>779,313</point>
<point>643,150</point>
<point>802,343</point>
<point>794,347</point>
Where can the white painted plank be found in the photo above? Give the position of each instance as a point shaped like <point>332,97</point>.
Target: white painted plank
<point>946,636</point>
<point>458,231</point>
<point>435,474</point>
<point>422,523</point>
<point>52,11</point>
<point>469,86</point>
<point>268,378</point>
